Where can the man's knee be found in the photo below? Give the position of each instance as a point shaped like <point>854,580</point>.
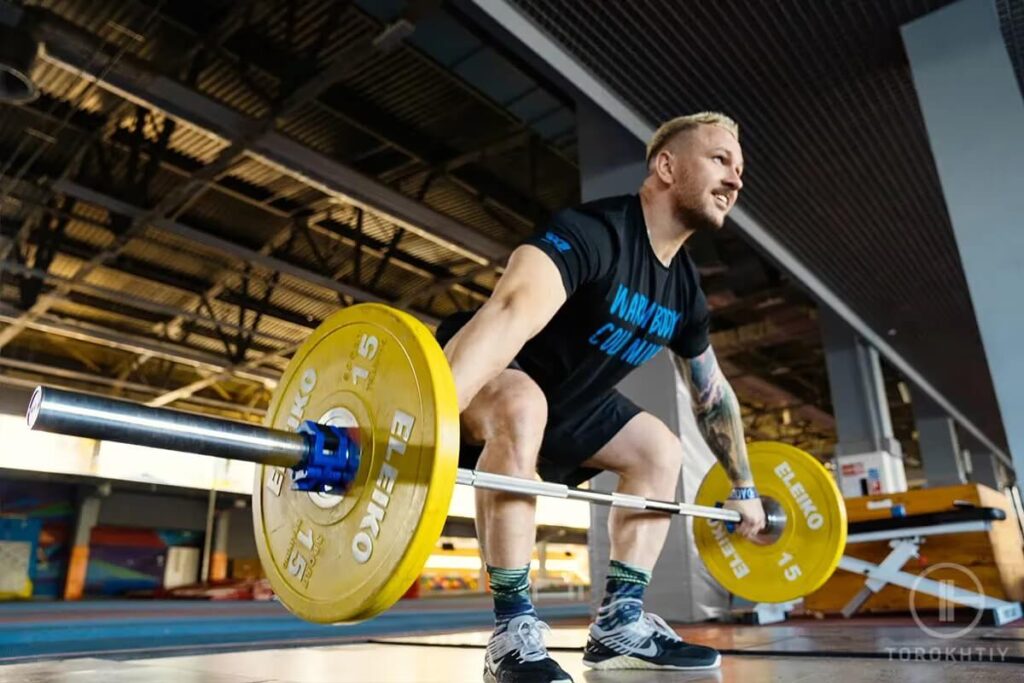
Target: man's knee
<point>508,416</point>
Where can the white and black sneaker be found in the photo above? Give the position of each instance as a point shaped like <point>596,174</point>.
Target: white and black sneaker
<point>645,643</point>
<point>517,654</point>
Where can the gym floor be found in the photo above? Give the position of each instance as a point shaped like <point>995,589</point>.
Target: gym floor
<point>442,642</point>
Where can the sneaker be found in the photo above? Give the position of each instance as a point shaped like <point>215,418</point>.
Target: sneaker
<point>517,654</point>
<point>646,643</point>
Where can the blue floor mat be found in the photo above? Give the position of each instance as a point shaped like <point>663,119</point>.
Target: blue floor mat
<point>33,631</point>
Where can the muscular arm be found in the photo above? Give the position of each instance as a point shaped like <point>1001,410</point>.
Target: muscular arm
<point>718,415</point>
<point>525,299</point>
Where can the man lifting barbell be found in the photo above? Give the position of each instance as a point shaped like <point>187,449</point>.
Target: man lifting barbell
<point>359,455</point>
<point>600,290</point>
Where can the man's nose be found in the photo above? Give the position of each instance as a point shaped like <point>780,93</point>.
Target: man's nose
<point>733,181</point>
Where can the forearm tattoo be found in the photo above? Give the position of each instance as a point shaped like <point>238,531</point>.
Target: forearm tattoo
<point>718,414</point>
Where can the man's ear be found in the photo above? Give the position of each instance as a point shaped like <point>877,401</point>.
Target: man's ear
<point>663,166</point>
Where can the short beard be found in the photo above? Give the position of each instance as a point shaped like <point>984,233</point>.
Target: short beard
<point>696,218</point>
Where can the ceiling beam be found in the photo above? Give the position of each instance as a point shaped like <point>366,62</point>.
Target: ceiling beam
<point>230,187</point>
<point>74,49</point>
<point>117,296</point>
<point>188,390</point>
<point>357,111</point>
<point>181,196</point>
<point>178,199</point>
<point>222,245</point>
<point>134,343</point>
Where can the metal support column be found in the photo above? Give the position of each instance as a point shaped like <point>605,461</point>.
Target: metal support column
<point>858,393</point>
<point>980,465</point>
<point>869,458</point>
<point>939,443</point>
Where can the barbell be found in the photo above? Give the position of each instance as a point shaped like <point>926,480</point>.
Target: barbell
<point>359,459</point>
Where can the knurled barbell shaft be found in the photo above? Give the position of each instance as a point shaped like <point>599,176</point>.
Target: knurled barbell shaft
<point>96,417</point>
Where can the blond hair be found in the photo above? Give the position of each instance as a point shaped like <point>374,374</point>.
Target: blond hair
<point>673,127</point>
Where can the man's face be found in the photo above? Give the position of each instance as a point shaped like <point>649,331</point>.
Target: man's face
<point>706,166</point>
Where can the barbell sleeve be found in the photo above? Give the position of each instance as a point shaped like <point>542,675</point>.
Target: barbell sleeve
<point>97,417</point>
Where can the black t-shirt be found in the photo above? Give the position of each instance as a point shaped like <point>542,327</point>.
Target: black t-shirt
<point>623,304</point>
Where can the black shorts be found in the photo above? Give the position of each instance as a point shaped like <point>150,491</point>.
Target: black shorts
<point>570,437</point>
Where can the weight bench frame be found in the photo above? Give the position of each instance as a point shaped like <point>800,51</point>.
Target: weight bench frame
<point>905,536</point>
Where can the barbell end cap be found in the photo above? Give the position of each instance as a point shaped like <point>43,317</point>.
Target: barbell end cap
<point>34,405</point>
<point>332,458</point>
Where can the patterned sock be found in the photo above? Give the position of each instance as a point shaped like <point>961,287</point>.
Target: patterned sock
<point>511,591</point>
<point>624,581</point>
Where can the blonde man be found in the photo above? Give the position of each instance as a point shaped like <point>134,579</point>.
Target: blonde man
<point>596,293</point>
